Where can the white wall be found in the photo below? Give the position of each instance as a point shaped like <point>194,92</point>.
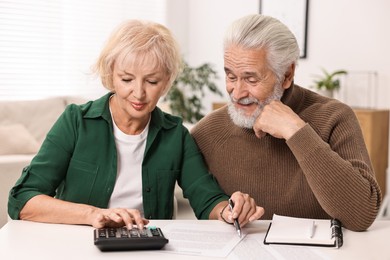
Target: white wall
<point>177,12</point>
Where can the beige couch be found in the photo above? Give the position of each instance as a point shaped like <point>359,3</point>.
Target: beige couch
<point>23,127</point>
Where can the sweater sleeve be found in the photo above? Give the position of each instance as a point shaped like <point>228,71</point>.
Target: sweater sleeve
<point>336,164</point>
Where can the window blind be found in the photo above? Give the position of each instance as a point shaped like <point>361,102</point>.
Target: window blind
<point>48,46</point>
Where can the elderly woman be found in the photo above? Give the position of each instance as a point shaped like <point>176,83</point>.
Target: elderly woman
<point>115,161</point>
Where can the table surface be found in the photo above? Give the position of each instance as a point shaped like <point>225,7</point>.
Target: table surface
<point>26,240</point>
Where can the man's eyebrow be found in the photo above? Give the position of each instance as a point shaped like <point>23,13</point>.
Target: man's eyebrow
<point>245,74</point>
<point>250,73</point>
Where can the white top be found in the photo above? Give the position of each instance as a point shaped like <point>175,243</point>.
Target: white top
<point>127,191</point>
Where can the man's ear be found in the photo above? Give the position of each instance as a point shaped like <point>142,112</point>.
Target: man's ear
<point>289,76</point>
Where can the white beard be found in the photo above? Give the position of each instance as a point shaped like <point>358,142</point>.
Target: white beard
<point>238,116</point>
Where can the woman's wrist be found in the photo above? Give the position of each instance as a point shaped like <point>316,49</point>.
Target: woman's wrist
<point>91,215</point>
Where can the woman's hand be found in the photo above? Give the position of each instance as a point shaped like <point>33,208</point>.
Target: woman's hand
<point>245,209</point>
<point>118,217</point>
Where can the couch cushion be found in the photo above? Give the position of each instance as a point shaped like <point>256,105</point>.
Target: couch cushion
<point>75,100</point>
<point>37,116</point>
<point>16,139</point>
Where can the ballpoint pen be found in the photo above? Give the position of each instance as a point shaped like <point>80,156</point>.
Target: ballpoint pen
<point>236,224</point>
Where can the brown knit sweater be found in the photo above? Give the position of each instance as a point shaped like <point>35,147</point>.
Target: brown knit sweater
<point>322,171</point>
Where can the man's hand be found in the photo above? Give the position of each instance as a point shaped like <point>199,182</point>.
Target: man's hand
<point>245,209</point>
<point>278,120</point>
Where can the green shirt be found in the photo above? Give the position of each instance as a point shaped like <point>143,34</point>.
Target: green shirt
<point>77,162</point>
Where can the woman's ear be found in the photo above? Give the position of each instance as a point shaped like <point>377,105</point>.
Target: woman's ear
<point>289,76</point>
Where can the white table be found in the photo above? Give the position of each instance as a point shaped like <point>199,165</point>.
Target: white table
<point>30,240</point>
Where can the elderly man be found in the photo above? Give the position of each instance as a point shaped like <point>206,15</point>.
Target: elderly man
<point>296,152</point>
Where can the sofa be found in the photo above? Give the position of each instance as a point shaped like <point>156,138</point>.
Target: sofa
<point>23,127</point>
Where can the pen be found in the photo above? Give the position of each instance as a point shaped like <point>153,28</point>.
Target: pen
<point>236,224</point>
<point>311,229</point>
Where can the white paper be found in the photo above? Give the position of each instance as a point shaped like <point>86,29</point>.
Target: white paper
<point>299,230</point>
<point>201,239</point>
<point>251,247</point>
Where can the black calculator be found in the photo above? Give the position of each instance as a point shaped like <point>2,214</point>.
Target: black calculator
<point>120,239</point>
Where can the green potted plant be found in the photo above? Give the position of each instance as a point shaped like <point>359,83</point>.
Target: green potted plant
<point>185,96</point>
<point>328,82</point>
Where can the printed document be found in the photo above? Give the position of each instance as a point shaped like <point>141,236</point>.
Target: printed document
<point>205,239</point>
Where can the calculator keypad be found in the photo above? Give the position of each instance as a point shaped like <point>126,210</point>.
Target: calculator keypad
<point>112,239</point>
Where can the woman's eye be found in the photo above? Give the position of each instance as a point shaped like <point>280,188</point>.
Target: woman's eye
<point>153,82</point>
<point>126,80</point>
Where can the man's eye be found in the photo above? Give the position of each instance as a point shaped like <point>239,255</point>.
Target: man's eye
<point>231,77</point>
<point>252,80</point>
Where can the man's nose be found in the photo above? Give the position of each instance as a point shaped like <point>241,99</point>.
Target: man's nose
<point>240,90</point>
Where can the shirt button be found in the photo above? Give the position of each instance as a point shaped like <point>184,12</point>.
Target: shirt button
<point>148,189</point>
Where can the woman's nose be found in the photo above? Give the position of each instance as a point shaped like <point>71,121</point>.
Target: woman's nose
<point>138,91</point>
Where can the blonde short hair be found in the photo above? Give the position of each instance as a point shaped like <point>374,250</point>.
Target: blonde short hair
<point>137,39</point>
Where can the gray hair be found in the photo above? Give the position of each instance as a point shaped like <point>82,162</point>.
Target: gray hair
<point>259,31</point>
